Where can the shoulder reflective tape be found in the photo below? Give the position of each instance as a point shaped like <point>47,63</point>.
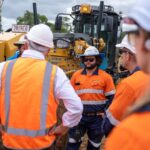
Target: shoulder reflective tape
<point>92,102</point>
<point>110,93</point>
<point>45,95</point>
<point>111,118</point>
<point>85,91</point>
<point>7,90</point>
<point>55,79</point>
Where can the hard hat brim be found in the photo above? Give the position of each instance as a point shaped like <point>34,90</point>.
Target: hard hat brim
<point>141,17</point>
<point>129,27</point>
<point>83,55</point>
<point>131,49</point>
<point>119,46</point>
<point>19,43</point>
<point>101,55</point>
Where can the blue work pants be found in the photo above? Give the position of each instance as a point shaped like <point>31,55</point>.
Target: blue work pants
<point>90,125</point>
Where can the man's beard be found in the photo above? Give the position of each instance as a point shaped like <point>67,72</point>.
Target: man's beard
<point>122,68</point>
<point>91,67</point>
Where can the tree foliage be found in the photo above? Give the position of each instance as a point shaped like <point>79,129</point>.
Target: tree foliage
<point>28,19</point>
<point>65,24</point>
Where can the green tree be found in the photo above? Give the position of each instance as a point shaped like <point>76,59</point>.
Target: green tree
<point>28,19</point>
<point>65,24</point>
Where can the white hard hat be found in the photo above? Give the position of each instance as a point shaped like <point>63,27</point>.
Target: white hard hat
<point>42,35</point>
<point>125,44</point>
<point>141,14</point>
<point>91,51</point>
<point>21,41</point>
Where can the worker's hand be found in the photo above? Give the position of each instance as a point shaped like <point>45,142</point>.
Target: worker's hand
<point>101,44</point>
<point>59,130</point>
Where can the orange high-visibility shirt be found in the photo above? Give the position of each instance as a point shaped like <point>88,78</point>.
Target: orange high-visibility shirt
<point>28,107</point>
<point>93,89</point>
<point>127,93</point>
<point>131,134</point>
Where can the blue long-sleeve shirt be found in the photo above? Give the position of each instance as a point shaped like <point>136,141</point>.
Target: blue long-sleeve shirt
<point>16,55</point>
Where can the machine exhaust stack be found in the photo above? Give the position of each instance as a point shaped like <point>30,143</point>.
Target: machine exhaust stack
<point>99,21</point>
<point>36,19</point>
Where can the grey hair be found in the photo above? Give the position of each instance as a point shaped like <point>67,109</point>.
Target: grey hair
<point>37,47</point>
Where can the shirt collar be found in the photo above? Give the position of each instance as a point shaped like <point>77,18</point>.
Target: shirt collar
<point>33,54</point>
<point>137,68</point>
<point>94,73</point>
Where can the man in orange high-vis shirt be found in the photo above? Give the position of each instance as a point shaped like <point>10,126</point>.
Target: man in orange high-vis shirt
<point>127,90</point>
<point>96,89</point>
<point>31,88</point>
<point>133,132</point>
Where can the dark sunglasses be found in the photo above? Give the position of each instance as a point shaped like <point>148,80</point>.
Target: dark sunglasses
<point>123,51</point>
<point>133,27</point>
<point>88,59</point>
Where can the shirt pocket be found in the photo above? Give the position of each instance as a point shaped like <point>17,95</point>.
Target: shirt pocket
<point>97,85</point>
<point>79,83</point>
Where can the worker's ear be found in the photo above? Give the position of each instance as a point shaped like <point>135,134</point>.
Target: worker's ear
<point>132,57</point>
<point>127,56</point>
<point>46,52</point>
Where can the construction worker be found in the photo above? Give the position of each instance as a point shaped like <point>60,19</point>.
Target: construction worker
<point>128,90</point>
<point>31,88</point>
<point>133,132</point>
<point>96,89</point>
<point>21,45</point>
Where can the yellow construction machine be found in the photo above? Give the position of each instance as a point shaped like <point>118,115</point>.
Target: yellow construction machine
<point>92,25</point>
<point>7,47</point>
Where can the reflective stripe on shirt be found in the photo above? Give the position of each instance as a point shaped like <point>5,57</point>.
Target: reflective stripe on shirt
<point>111,118</point>
<point>93,91</point>
<point>110,93</point>
<point>93,102</point>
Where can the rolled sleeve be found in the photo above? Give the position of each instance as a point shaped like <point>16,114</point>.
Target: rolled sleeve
<point>124,97</point>
<point>64,91</point>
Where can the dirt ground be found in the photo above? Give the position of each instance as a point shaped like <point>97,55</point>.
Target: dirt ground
<point>84,144</point>
<point>61,144</point>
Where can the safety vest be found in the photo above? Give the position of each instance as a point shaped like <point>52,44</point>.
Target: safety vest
<point>28,106</point>
<point>93,89</point>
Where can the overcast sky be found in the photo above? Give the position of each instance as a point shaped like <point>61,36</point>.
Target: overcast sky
<point>12,9</point>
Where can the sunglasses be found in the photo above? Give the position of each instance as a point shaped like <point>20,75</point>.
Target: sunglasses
<point>129,25</point>
<point>122,51</point>
<point>89,59</point>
